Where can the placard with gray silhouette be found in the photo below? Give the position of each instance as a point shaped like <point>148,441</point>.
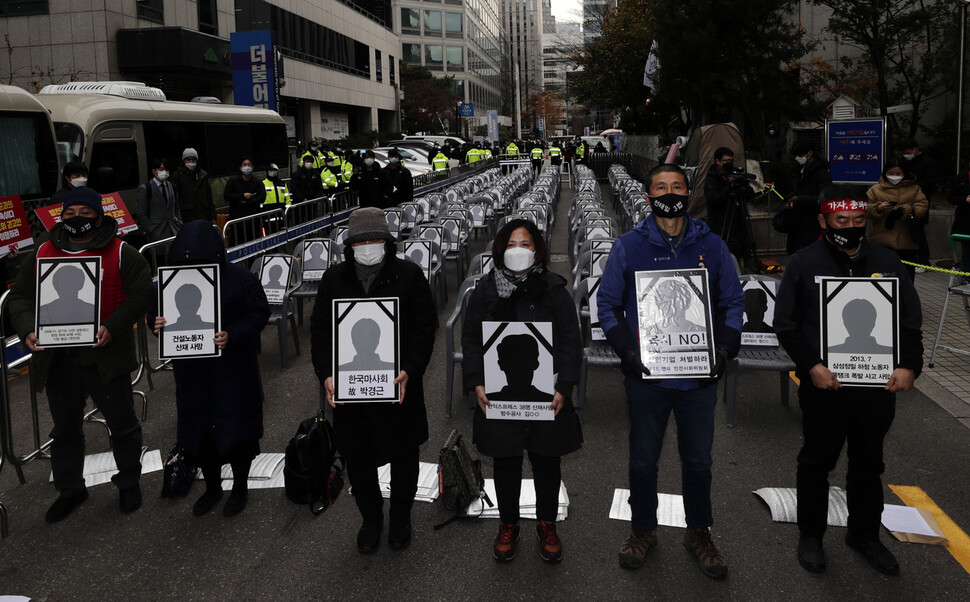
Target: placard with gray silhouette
<point>759,311</point>
<point>519,378</point>
<point>316,254</point>
<point>860,329</point>
<point>595,326</point>
<point>189,297</point>
<point>68,296</point>
<point>366,349</point>
<point>676,332</point>
<point>419,251</point>
<point>274,274</point>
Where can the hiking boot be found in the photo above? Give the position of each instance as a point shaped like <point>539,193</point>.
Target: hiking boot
<point>635,548</point>
<point>503,549</point>
<point>64,505</point>
<point>129,499</point>
<point>875,553</point>
<point>810,554</point>
<point>550,547</point>
<point>698,542</point>
<point>369,535</point>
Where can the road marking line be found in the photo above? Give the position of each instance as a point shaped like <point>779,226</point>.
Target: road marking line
<point>795,378</point>
<point>959,546</point>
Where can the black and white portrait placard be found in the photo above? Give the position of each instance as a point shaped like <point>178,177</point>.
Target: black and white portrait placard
<point>676,330</point>
<point>419,251</point>
<point>274,274</point>
<point>597,262</point>
<point>595,327</point>
<point>860,329</point>
<point>68,297</point>
<point>189,297</point>
<point>487,263</point>
<point>366,349</point>
<point>759,311</point>
<point>519,378</point>
<point>316,257</point>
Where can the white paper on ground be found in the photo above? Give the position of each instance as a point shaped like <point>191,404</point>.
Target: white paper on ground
<point>670,508</point>
<point>527,501</point>
<point>427,482</point>
<point>99,468</point>
<point>14,599</point>
<point>783,503</point>
<point>266,472</point>
<point>904,519</point>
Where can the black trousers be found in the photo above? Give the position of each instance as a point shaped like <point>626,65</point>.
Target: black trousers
<point>240,459</point>
<point>860,417</point>
<point>547,474</point>
<point>68,388</point>
<point>362,473</point>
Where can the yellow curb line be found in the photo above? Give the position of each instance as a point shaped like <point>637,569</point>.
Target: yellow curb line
<point>959,546</point>
<point>794,378</point>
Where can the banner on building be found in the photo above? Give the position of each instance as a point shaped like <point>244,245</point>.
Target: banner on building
<point>334,126</point>
<point>254,69</point>
<point>492,120</point>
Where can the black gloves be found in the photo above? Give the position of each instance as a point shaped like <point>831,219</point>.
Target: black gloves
<point>632,357</point>
<point>721,359</point>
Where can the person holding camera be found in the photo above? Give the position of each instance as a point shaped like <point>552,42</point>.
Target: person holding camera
<point>726,191</point>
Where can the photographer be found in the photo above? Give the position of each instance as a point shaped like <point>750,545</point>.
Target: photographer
<point>726,191</point>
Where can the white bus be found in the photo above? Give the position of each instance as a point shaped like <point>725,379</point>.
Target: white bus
<point>28,156</point>
<point>118,128</point>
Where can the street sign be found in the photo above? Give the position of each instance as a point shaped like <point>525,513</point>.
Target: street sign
<point>466,109</point>
<point>899,109</point>
<point>492,118</point>
<point>856,149</point>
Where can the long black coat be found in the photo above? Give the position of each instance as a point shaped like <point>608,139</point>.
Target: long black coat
<point>371,186</point>
<point>541,298</point>
<point>814,179</point>
<point>383,427</point>
<point>222,395</point>
<point>958,198</point>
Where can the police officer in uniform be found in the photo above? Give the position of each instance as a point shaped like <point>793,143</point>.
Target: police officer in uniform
<point>440,161</point>
<point>277,193</point>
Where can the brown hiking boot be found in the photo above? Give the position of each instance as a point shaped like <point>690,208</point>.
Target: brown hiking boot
<point>698,542</point>
<point>635,548</point>
<point>550,547</point>
<point>504,547</point>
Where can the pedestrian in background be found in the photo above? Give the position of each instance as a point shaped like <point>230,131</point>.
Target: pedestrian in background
<point>896,207</point>
<point>304,182</point>
<point>400,182</point>
<point>520,289</point>
<point>244,193</point>
<point>191,182</point>
<point>220,399</point>
<point>924,169</point>
<point>370,183</point>
<point>813,178</point>
<point>159,215</point>
<point>74,175</point>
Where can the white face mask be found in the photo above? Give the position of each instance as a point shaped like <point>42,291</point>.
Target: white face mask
<point>247,170</point>
<point>191,166</point>
<point>368,162</point>
<point>801,160</point>
<point>308,165</point>
<point>162,175</point>
<point>909,157</point>
<point>78,182</point>
<point>519,259</point>
<point>371,254</point>
<point>894,179</point>
<point>273,173</point>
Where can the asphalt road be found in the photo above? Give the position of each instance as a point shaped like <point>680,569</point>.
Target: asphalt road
<point>277,550</point>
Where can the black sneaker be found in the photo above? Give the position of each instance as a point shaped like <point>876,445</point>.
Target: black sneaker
<point>235,504</point>
<point>811,555</point>
<point>874,552</point>
<point>64,505</point>
<point>399,534</point>
<point>206,502</point>
<point>369,536</point>
<point>129,499</point>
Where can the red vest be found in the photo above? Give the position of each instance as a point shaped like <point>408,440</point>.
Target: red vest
<point>112,290</point>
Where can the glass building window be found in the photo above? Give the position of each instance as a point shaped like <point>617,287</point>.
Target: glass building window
<point>455,58</point>
<point>459,88</point>
<point>22,8</point>
<point>151,10</point>
<point>453,22</point>
<point>379,67</point>
<point>208,21</point>
<point>432,21</point>
<point>390,67</point>
<point>410,21</point>
<point>433,56</point>
<point>411,53</point>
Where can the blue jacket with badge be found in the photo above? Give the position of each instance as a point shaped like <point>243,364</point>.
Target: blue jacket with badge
<point>645,248</point>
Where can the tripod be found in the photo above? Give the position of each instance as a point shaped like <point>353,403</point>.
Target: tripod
<point>738,207</point>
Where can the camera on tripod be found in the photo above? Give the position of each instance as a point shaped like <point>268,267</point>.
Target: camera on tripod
<point>737,176</point>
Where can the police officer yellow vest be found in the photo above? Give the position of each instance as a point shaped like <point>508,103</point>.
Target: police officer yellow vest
<point>536,153</point>
<point>329,180</point>
<point>440,162</point>
<point>275,195</point>
<point>555,151</point>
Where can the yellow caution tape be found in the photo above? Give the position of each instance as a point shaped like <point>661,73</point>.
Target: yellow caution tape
<point>936,269</point>
<point>959,546</point>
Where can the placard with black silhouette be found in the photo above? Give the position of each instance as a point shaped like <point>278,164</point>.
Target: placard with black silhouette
<point>759,312</point>
<point>595,327</point>
<point>316,257</point>
<point>274,274</point>
<point>68,312</point>
<point>419,252</point>
<point>590,232</point>
<point>519,379</point>
<point>674,313</point>
<point>597,262</point>
<point>487,263</point>
<point>366,349</point>
<point>860,329</point>
<point>190,299</point>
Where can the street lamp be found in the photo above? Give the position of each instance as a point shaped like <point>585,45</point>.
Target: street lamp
<point>963,37</point>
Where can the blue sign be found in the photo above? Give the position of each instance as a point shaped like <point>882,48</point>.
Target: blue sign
<point>856,149</point>
<point>466,109</point>
<point>254,69</point>
<point>492,120</point>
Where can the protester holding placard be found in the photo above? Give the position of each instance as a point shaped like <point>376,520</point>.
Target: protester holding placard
<point>220,399</point>
<point>103,371</point>
<point>521,289</point>
<point>833,414</point>
<point>669,240</point>
<point>371,434</point>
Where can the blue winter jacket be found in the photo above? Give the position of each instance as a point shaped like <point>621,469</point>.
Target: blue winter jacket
<point>645,248</point>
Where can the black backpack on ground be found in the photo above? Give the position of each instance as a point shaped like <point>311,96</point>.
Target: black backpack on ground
<point>460,479</point>
<point>312,470</point>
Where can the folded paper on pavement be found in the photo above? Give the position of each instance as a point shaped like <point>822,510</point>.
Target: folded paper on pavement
<point>527,501</point>
<point>266,472</point>
<point>783,503</point>
<point>427,482</point>
<point>915,525</point>
<point>99,468</point>
<point>670,508</point>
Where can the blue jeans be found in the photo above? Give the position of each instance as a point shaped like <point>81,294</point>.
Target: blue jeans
<point>650,407</point>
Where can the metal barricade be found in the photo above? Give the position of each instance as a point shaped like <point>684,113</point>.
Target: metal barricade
<point>156,253</point>
<point>306,218</point>
<point>253,235</point>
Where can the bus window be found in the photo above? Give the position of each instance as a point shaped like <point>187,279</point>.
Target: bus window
<point>227,143</point>
<point>114,167</point>
<point>28,166</point>
<point>272,145</point>
<point>167,140</point>
<point>70,142</point>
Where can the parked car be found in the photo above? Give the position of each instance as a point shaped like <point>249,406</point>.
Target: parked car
<point>408,154</point>
<point>416,169</point>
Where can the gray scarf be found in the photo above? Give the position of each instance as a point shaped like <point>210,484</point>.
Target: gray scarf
<point>506,281</point>
<point>367,274</point>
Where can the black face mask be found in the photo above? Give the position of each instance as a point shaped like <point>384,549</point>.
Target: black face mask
<point>80,226</point>
<point>728,167</point>
<point>846,238</point>
<point>669,205</point>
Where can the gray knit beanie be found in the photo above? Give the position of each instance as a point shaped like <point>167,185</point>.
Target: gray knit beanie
<point>368,223</point>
